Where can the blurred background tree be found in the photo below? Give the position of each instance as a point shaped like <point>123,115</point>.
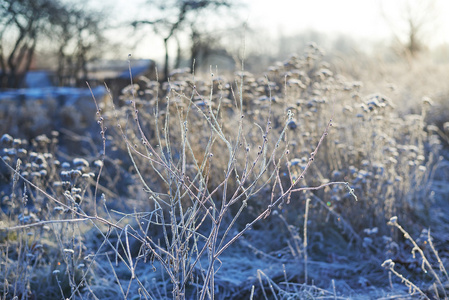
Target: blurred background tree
<point>27,24</point>
<point>80,39</point>
<point>417,21</point>
<point>174,16</point>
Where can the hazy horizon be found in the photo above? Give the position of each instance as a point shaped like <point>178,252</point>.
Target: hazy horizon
<point>370,21</point>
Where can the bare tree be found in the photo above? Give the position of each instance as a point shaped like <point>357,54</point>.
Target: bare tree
<point>413,25</point>
<point>205,45</point>
<point>26,23</point>
<point>175,15</point>
<point>80,34</point>
<point>21,23</point>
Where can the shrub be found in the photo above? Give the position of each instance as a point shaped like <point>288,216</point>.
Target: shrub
<point>273,165</point>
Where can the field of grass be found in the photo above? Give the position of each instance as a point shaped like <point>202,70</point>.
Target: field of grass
<point>314,180</point>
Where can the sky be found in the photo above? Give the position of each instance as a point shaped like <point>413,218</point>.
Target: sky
<point>349,16</point>
<point>355,17</point>
<point>374,20</point>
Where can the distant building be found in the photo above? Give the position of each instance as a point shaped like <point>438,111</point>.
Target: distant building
<point>116,73</point>
<point>38,79</point>
<point>39,106</point>
<point>40,84</point>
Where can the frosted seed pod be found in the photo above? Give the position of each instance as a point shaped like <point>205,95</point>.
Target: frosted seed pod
<point>58,209</point>
<point>98,163</point>
<point>6,139</point>
<point>393,221</point>
<point>388,264</point>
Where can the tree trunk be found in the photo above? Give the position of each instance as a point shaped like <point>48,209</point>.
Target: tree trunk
<point>178,54</point>
<point>194,51</point>
<point>166,59</point>
<point>29,57</point>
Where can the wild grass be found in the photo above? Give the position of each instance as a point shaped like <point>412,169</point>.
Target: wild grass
<point>276,186</point>
<point>437,287</point>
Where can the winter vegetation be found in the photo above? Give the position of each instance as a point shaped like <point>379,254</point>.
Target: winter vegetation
<point>316,175</point>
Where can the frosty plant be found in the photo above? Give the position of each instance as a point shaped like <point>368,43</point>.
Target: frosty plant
<point>197,219</point>
<point>200,168</point>
<point>425,264</point>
